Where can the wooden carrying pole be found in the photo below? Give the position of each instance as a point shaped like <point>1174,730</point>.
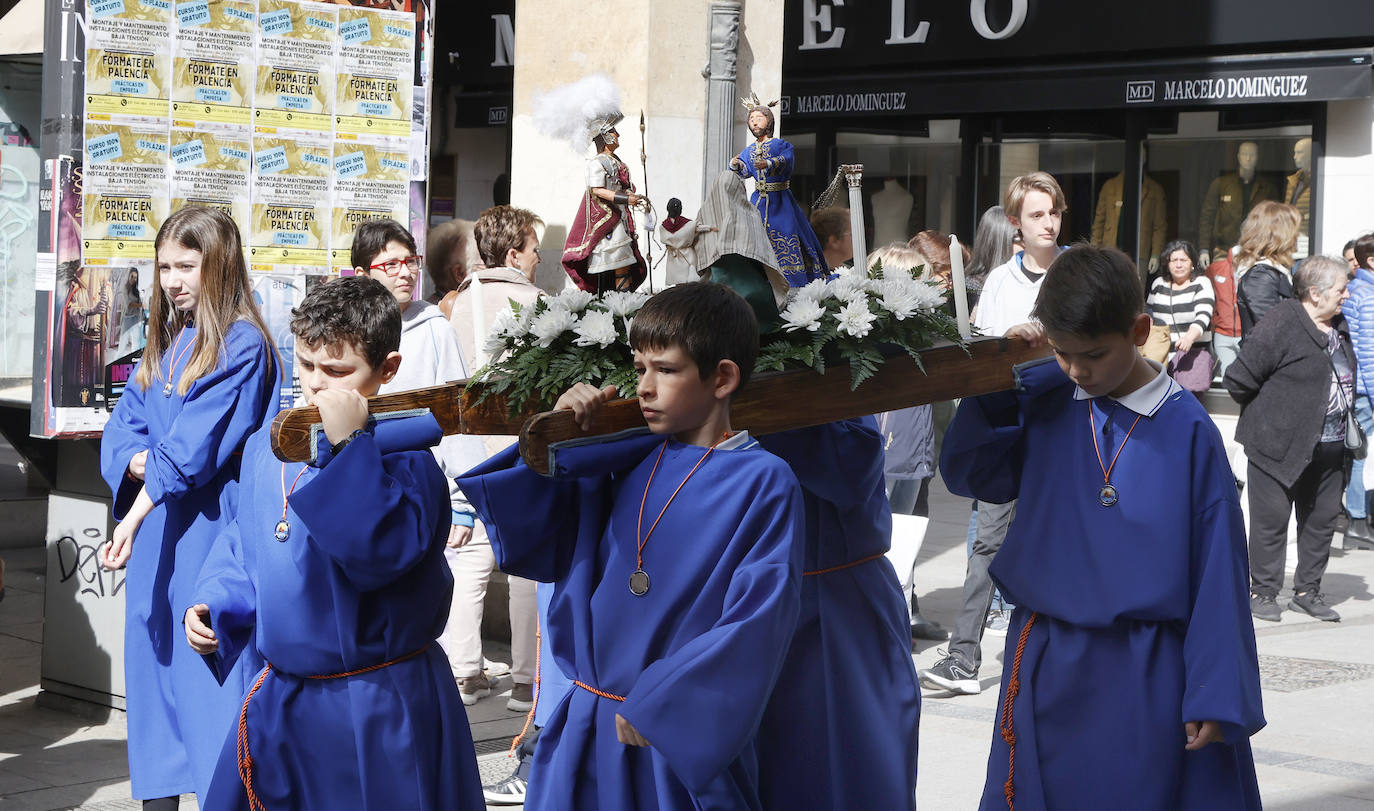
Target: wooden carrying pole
<point>771,402</point>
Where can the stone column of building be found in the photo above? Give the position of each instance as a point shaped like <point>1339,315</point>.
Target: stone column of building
<point>655,50</point>
<point>721,98</point>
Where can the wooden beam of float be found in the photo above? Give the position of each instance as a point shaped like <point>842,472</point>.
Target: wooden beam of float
<point>773,401</point>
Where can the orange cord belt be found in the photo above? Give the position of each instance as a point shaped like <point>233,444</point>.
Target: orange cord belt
<point>851,564</point>
<point>246,758</point>
<point>602,693</point>
<point>1005,725</point>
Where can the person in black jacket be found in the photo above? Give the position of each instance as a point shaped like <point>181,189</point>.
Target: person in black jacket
<point>1267,242</point>
<point>1295,380</point>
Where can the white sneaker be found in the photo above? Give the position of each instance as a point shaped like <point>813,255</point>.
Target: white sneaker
<point>997,623</point>
<point>495,670</point>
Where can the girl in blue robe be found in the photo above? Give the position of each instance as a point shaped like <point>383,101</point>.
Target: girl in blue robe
<point>359,581</point>
<point>170,454</point>
<point>691,663</point>
<point>841,728</point>
<point>1142,620</point>
<point>800,256</point>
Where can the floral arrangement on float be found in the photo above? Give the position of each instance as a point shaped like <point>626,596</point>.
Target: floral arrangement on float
<point>860,319</point>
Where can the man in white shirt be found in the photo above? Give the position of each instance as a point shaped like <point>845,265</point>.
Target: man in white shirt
<point>1035,205</point>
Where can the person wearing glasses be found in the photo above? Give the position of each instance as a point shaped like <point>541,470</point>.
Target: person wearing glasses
<point>430,355</point>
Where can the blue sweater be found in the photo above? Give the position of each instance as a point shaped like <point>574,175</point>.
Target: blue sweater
<point>1359,317</point>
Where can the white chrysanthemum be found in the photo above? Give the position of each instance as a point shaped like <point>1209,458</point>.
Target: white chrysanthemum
<point>597,328</point>
<point>573,300</point>
<point>814,290</point>
<point>900,297</point>
<point>493,347</point>
<point>524,321</point>
<point>803,313</point>
<point>929,296</point>
<point>850,288</point>
<point>506,324</point>
<point>856,319</point>
<point>624,303</point>
<point>550,324</point>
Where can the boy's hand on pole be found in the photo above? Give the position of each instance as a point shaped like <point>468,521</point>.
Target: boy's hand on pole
<point>198,631</point>
<point>584,401</point>
<point>1033,333</point>
<point>342,411</point>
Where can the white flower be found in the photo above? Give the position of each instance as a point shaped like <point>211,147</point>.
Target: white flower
<point>551,324</point>
<point>929,296</point>
<point>851,287</point>
<point>803,313</point>
<point>493,347</point>
<point>507,325</point>
<point>573,300</point>
<point>899,297</point>
<point>815,290</point>
<point>623,303</point>
<point>597,327</point>
<point>855,318</point>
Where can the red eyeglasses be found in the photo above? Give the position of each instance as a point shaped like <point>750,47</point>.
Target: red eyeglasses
<point>393,267</point>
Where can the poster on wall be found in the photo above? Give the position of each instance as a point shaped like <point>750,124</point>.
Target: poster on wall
<point>128,63</point>
<point>212,169</point>
<point>290,220</point>
<point>213,72</point>
<point>298,118</point>
<point>295,87</point>
<point>371,182</point>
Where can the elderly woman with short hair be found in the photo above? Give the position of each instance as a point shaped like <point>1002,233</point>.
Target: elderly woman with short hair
<point>1295,379</point>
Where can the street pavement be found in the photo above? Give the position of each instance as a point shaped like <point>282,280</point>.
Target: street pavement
<point>1316,753</point>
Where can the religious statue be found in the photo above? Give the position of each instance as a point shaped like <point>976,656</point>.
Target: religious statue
<point>602,250</point>
<point>769,161</point>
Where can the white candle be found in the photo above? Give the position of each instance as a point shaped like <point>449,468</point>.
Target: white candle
<point>956,280</point>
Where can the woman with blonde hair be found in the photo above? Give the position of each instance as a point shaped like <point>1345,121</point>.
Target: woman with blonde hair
<point>1268,239</point>
<point>170,453</point>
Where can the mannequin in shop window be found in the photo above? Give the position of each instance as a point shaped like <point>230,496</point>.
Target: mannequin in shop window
<point>1228,201</point>
<point>1298,192</point>
<point>1107,230</point>
<point>892,206</point>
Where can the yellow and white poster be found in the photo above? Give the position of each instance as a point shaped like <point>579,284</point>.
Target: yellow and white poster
<point>213,70</point>
<point>371,182</point>
<point>125,189</point>
<point>376,70</point>
<point>290,193</point>
<point>128,58</point>
<point>212,169</point>
<point>295,82</point>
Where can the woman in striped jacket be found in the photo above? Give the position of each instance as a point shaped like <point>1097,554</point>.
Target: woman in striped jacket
<point>1183,300</point>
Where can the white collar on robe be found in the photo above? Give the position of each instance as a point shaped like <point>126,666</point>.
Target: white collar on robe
<point>1146,400</point>
<point>737,441</point>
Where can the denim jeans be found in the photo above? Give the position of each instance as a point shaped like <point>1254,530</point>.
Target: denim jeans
<point>1356,498</point>
<point>1225,348</point>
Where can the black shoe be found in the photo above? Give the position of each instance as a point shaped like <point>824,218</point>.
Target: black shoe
<point>1343,521</point>
<point>510,791</point>
<point>1264,607</point>
<point>922,628</point>
<point>1349,543</point>
<point>953,675</point>
<point>1312,604</point>
<point>1358,529</point>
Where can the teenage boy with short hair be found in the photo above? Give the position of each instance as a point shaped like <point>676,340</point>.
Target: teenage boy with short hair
<point>1130,677</point>
<point>676,558</point>
<point>1035,206</point>
<point>335,573</point>
<point>384,250</point>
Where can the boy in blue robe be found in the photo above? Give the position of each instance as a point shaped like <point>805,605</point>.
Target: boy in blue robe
<point>1130,677</point>
<point>676,558</point>
<point>841,728</point>
<point>339,567</point>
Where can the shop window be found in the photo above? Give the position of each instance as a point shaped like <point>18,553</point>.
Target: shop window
<point>1089,172</point>
<point>910,181</point>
